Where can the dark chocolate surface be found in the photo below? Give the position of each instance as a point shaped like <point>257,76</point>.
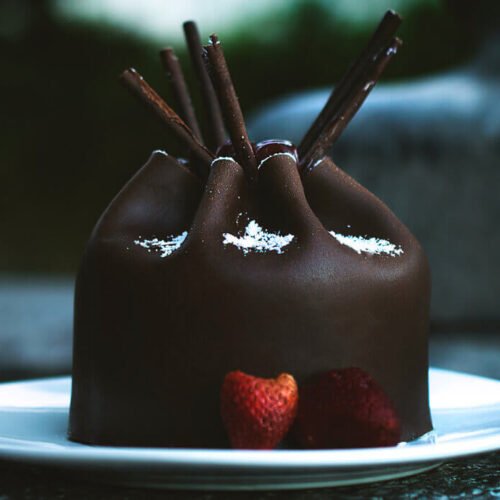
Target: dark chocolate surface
<point>154,337</point>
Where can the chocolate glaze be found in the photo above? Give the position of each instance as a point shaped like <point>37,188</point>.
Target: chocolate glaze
<point>154,337</point>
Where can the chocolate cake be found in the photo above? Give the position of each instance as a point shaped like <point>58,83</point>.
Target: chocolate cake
<point>264,258</point>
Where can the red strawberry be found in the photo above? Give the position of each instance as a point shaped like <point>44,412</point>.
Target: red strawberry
<point>258,412</point>
<point>345,409</point>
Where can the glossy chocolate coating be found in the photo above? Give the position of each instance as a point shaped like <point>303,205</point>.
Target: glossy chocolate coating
<point>154,337</point>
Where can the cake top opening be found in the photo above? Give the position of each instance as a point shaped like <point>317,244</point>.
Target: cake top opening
<point>224,114</point>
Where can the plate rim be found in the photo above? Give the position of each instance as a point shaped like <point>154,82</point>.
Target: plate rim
<point>250,460</point>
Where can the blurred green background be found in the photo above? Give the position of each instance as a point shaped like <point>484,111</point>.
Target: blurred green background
<point>71,136</point>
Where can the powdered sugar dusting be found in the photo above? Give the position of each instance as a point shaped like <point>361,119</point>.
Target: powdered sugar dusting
<point>374,246</point>
<point>163,247</point>
<point>257,239</point>
<point>291,155</point>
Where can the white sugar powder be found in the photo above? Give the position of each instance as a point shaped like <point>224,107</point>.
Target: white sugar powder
<point>165,247</point>
<point>256,239</point>
<point>374,246</point>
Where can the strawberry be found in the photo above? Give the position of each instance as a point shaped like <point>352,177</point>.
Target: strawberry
<point>258,412</point>
<point>345,409</point>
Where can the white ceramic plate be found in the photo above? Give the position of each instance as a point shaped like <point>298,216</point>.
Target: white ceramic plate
<point>33,420</point>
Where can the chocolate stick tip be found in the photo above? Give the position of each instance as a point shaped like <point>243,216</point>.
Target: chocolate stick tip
<point>382,35</point>
<point>392,13</point>
<point>125,73</point>
<point>130,78</point>
<point>215,130</point>
<point>351,103</point>
<point>190,26</point>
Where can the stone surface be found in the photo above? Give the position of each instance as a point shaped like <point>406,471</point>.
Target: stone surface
<point>476,477</point>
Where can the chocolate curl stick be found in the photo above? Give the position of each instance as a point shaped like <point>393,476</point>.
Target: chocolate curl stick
<point>230,106</point>
<point>380,38</point>
<point>215,134</point>
<point>180,90</point>
<point>141,89</point>
<point>350,105</point>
